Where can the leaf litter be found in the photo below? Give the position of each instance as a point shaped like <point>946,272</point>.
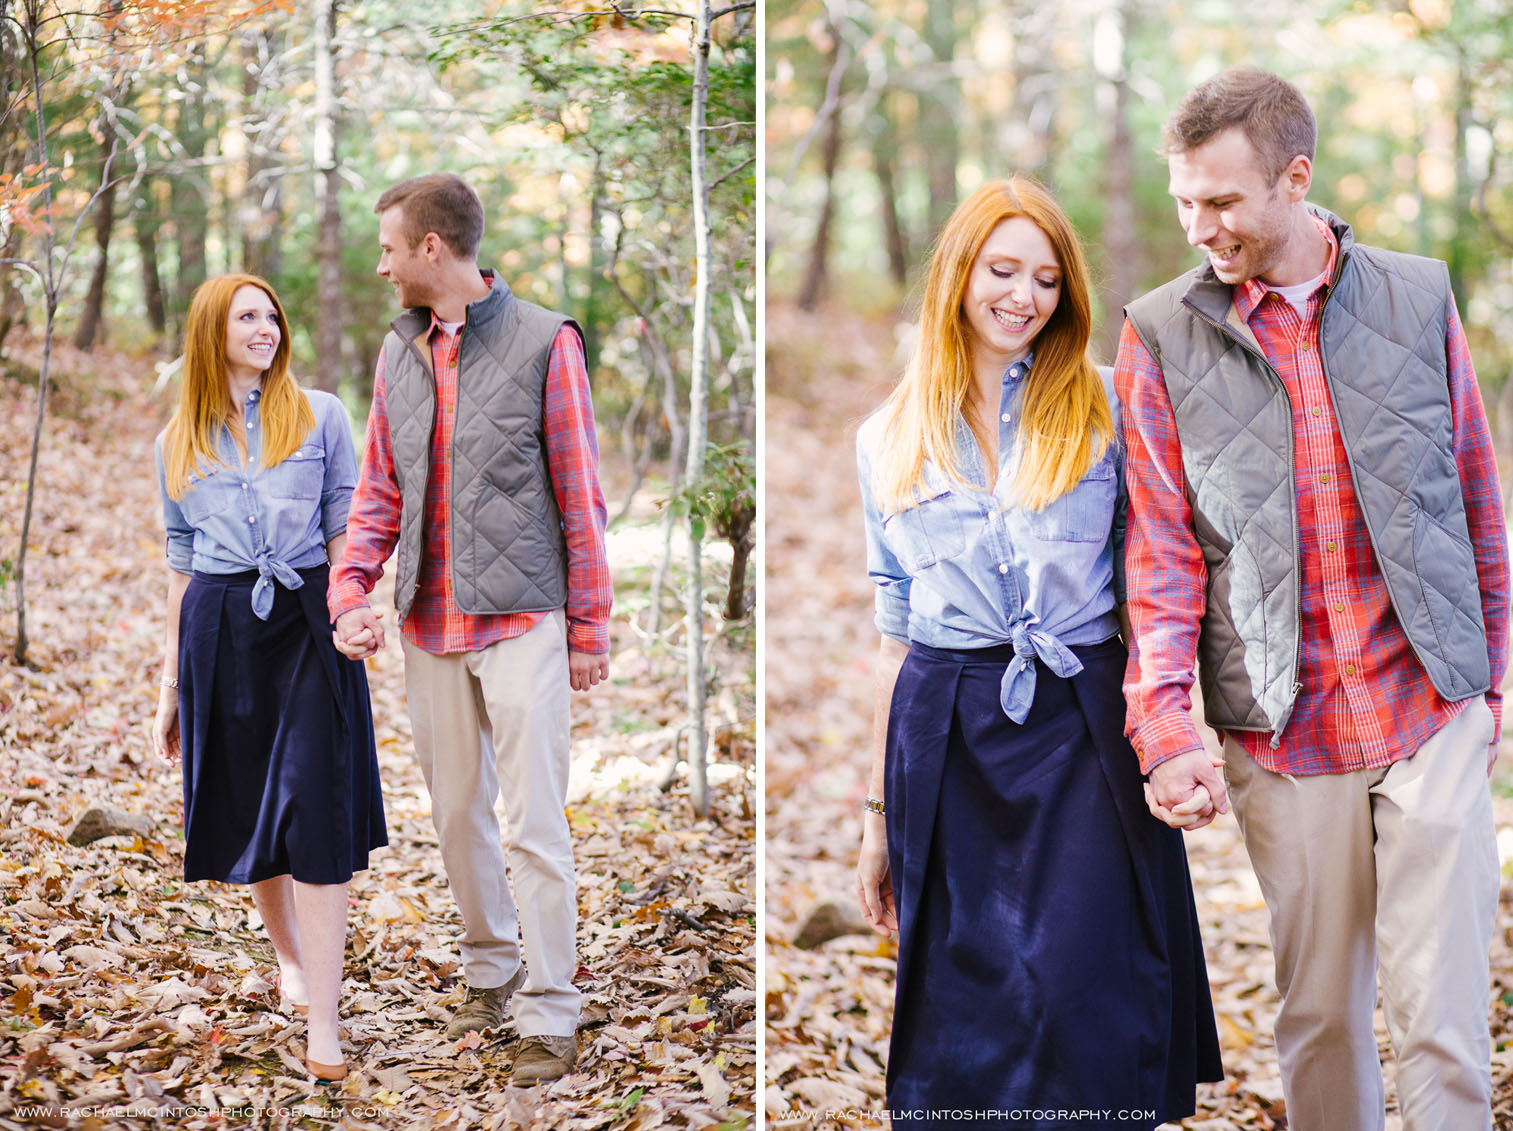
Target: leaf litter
<point>827,1003</point>
<point>130,999</point>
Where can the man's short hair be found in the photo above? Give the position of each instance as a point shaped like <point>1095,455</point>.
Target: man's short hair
<point>441,203</point>
<point>1269,110</point>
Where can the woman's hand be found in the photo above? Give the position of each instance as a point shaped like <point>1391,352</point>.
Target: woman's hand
<point>872,876</point>
<point>165,727</point>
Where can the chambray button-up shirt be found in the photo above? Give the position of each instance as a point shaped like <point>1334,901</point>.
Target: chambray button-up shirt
<point>968,568</point>
<point>274,520</point>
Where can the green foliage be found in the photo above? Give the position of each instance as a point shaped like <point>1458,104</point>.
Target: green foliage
<point>724,497</point>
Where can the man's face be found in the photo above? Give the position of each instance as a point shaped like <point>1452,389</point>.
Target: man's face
<point>407,268</point>
<point>1231,208</point>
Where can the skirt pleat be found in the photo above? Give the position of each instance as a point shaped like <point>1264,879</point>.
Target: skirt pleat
<point>280,768</point>
<point>1050,968</point>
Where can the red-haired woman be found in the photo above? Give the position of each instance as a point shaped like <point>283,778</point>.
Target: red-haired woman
<point>273,725</point>
<point>1049,963</point>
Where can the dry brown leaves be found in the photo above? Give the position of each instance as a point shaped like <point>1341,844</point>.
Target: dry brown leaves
<point>827,1010</point>
<point>131,999</point>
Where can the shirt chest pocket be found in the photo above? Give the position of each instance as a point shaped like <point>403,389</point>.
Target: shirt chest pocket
<point>207,496</point>
<point>1083,514</point>
<point>300,475</point>
<point>931,532</point>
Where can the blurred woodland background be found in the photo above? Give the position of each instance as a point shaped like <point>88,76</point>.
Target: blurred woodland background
<point>879,117</point>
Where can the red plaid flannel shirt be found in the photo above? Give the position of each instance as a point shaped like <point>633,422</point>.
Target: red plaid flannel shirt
<point>1366,700</point>
<point>434,622</point>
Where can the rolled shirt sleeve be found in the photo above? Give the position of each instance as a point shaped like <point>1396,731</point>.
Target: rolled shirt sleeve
<point>180,535</point>
<point>891,601</point>
<point>340,470</point>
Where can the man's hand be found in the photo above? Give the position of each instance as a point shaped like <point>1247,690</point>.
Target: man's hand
<point>1187,792</point>
<point>586,669</point>
<point>359,633</point>
<point>1492,757</point>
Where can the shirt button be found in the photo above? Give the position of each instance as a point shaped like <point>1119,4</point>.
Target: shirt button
<point>1330,546</point>
<point>251,424</point>
<point>1324,478</point>
<point>1315,410</point>
<point>1006,417</point>
<point>1304,347</point>
<point>1339,606</point>
<point>244,486</point>
<point>1349,669</point>
<point>1003,567</point>
<point>252,518</point>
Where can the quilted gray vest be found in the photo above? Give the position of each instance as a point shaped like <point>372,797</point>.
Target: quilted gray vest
<point>508,552</point>
<point>1383,345</point>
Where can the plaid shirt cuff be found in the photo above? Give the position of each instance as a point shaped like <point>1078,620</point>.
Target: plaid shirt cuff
<point>1162,738</point>
<point>343,597</point>
<point>1494,702</point>
<point>592,639</point>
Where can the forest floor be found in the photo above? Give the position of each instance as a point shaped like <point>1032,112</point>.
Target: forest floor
<point>827,1007</point>
<point>130,999</point>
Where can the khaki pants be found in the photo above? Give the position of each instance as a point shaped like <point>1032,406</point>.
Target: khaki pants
<point>1397,863</point>
<point>492,723</point>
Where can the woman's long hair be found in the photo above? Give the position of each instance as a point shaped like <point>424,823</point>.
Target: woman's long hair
<point>191,441</point>
<point>1065,421</point>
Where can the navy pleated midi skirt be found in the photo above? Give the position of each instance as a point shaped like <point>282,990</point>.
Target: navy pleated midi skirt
<point>280,770</point>
<point>1050,968</point>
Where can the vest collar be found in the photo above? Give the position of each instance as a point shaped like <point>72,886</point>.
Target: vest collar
<point>1215,300</point>
<point>414,324</point>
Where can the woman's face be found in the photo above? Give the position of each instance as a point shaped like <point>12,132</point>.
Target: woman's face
<point>1013,288</point>
<point>252,332</point>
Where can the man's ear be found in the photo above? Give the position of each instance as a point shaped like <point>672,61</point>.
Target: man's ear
<point>1297,177</point>
<point>432,246</point>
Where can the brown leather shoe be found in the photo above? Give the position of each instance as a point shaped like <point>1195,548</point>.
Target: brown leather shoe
<point>327,1073</point>
<point>483,1009</point>
<point>543,1058</point>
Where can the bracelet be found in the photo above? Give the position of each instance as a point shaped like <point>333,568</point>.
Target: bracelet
<point>169,681</point>
<point>872,805</point>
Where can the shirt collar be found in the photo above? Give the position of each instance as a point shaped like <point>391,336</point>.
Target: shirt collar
<point>1250,293</point>
<point>1019,370</point>
<point>436,326</point>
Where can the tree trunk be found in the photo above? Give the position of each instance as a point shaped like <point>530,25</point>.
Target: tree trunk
<point>817,275</point>
<point>1119,228</point>
<point>328,315</point>
<point>12,159</point>
<point>189,194</point>
<point>262,204</point>
<point>146,224</point>
<point>698,410</point>
<point>92,314</point>
<point>884,161</point>
<point>937,113</point>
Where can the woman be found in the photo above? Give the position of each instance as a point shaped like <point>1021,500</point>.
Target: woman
<point>274,727</point>
<point>1048,959</point>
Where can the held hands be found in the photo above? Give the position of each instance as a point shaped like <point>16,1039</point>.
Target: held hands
<point>874,883</point>
<point>1187,792</point>
<point>359,633</point>
<point>165,727</point>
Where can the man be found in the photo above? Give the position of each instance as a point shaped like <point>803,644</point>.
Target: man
<point>481,467</point>
<point>1315,517</point>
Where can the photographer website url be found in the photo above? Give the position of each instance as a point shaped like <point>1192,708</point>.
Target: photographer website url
<point>1071,1116</point>
<point>51,1114</point>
